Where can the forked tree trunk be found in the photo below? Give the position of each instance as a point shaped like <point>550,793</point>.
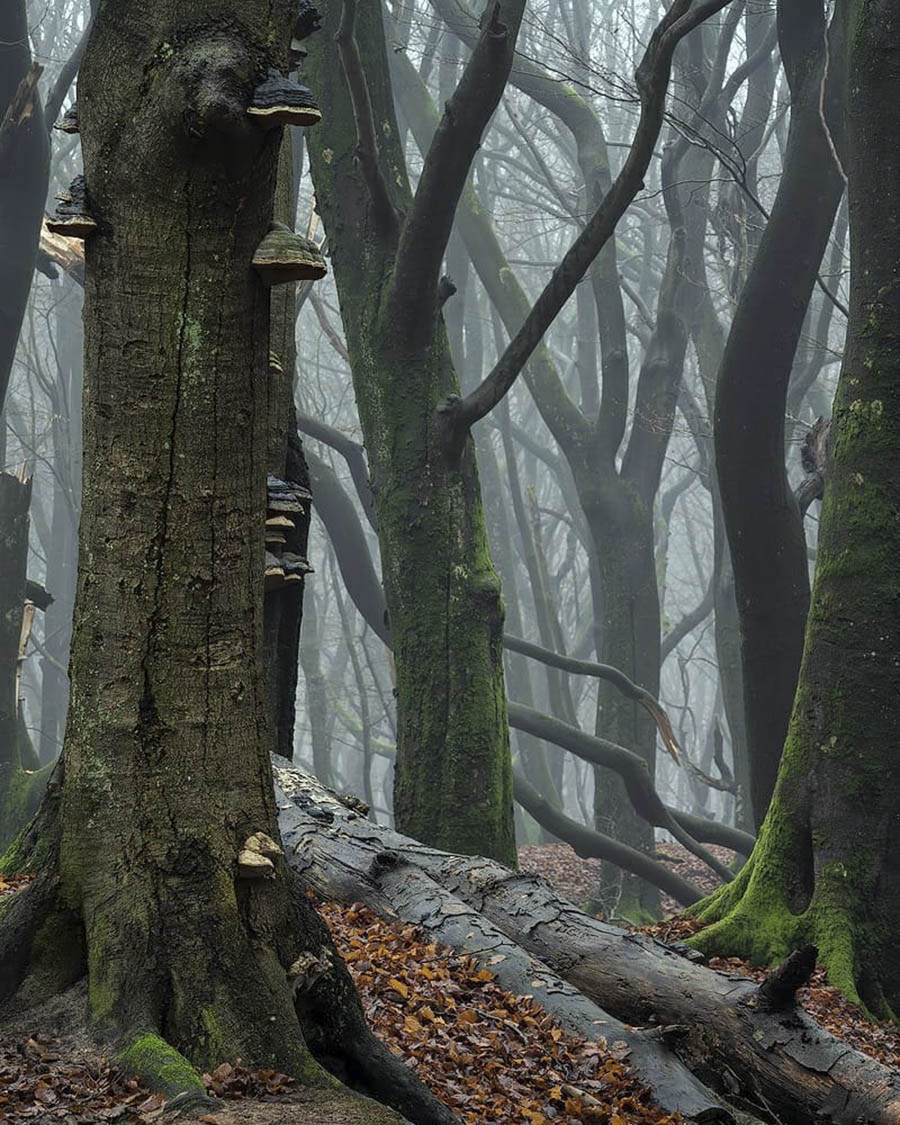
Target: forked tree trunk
<point>167,771</point>
<point>824,869</point>
<point>453,779</point>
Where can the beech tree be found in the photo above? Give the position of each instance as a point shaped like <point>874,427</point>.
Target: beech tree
<point>158,874</point>
<point>824,870</point>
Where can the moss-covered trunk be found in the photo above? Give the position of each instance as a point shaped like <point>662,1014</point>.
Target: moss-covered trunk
<point>825,867</point>
<point>453,780</point>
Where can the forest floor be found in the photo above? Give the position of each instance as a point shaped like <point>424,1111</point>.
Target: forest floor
<point>489,1055</point>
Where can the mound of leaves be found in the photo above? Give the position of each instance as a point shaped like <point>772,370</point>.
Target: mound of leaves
<point>489,1055</point>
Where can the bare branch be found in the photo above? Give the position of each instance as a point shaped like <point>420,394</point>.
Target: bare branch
<point>600,672</point>
<point>652,79</point>
<point>589,843</point>
<point>423,240</point>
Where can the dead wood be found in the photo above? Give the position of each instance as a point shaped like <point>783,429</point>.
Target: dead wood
<point>591,975</point>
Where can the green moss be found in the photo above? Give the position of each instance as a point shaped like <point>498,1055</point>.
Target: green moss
<point>19,801</point>
<point>57,956</point>
<point>159,1066</point>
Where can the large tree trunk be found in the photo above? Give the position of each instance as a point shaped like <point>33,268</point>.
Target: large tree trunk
<point>702,1031</point>
<point>763,522</point>
<point>453,779</point>
<point>145,880</point>
<point>824,869</point>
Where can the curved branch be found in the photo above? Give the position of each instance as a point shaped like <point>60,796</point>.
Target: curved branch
<point>352,452</point>
<point>591,844</point>
<point>456,416</point>
<point>688,623</point>
<point>629,766</point>
<point>605,672</point>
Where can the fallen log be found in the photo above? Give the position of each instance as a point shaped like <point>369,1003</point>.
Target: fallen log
<point>342,855</point>
<point>701,1030</point>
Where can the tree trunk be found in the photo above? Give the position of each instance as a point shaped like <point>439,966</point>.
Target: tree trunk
<point>706,1032</point>
<point>453,779</point>
<point>824,869</point>
<point>24,170</point>
<point>763,522</point>
<point>283,609</point>
<point>146,879</point>
<point>21,783</point>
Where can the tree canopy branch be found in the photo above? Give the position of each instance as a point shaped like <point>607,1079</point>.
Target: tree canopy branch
<point>456,416</point>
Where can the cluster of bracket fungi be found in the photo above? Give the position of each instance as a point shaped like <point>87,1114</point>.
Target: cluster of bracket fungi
<point>282,256</point>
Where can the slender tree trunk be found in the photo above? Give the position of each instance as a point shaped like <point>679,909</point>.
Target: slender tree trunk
<point>283,610</point>
<point>765,531</point>
<point>824,869</point>
<point>24,170</point>
<point>453,779</point>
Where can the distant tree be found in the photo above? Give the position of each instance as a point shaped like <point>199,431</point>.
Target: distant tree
<point>763,520</point>
<point>825,868</point>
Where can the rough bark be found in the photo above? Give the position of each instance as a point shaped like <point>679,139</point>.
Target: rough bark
<point>763,523</point>
<point>688,1017</point>
<point>824,870</point>
<point>453,780</point>
<point>167,771</point>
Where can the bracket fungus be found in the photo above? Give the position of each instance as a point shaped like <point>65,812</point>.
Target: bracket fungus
<point>307,969</point>
<point>255,857</point>
<point>283,256</point>
<point>308,20</point>
<point>68,123</point>
<point>280,101</point>
<point>73,218</point>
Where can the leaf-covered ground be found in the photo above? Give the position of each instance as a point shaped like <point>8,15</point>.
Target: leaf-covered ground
<point>489,1055</point>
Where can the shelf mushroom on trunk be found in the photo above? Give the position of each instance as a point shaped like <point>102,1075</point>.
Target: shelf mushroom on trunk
<point>73,218</point>
<point>68,123</point>
<point>284,256</point>
<point>285,499</point>
<point>281,101</point>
